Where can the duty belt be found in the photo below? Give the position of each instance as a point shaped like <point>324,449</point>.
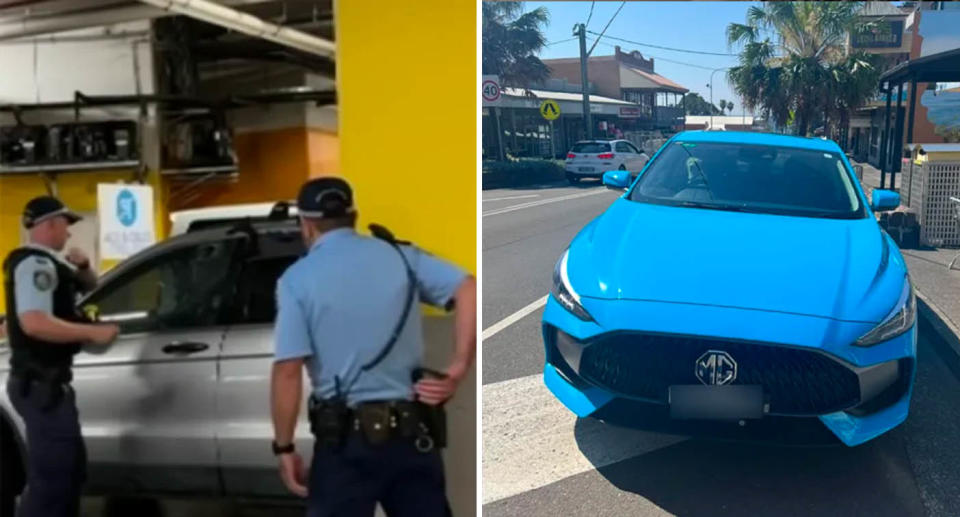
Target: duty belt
<point>56,383</point>
<point>377,422</point>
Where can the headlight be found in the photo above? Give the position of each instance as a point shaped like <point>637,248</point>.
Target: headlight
<point>563,291</point>
<point>900,319</point>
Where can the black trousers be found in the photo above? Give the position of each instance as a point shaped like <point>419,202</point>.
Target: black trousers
<point>56,455</point>
<point>349,482</point>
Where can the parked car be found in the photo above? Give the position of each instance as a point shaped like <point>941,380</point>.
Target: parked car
<point>743,276</point>
<point>180,402</point>
<point>591,158</point>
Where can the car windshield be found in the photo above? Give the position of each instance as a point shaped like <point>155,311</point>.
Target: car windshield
<point>750,178</point>
<point>590,147</point>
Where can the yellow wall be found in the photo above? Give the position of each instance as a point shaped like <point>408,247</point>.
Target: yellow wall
<point>78,190</point>
<point>406,74</point>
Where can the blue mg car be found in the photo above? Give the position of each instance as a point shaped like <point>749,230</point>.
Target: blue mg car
<point>741,276</point>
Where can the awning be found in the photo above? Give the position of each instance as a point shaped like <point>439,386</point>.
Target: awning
<point>942,67</point>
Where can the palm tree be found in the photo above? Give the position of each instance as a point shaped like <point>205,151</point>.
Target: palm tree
<point>511,40</point>
<point>789,51</point>
<point>730,106</point>
<point>854,81</point>
<point>723,106</point>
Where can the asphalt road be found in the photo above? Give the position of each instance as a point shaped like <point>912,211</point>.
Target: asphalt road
<point>539,459</point>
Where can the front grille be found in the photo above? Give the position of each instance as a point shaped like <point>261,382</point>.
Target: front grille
<point>795,381</point>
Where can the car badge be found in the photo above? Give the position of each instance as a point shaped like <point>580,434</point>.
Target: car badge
<point>716,368</point>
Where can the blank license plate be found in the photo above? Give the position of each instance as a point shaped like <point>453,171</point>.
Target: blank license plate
<point>585,169</point>
<point>716,402</point>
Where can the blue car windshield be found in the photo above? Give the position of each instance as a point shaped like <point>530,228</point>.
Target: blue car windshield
<point>751,178</point>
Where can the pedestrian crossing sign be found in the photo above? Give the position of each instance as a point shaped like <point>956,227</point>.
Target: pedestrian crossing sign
<point>549,109</point>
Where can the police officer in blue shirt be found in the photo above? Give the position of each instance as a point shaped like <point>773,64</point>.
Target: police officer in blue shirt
<point>45,331</point>
<point>347,312</point>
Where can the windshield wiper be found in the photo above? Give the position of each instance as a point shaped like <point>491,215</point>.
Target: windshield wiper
<point>709,206</point>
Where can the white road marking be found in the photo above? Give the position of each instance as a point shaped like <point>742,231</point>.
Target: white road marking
<point>532,204</point>
<point>531,440</point>
<point>513,318</point>
<point>511,197</point>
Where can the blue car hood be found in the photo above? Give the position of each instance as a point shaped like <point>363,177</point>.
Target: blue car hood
<point>844,269</point>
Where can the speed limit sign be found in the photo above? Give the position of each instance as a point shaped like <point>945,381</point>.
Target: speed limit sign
<point>490,89</point>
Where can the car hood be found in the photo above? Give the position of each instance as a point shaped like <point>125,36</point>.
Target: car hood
<point>835,268</point>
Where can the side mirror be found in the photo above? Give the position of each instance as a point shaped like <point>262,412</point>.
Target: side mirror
<point>883,200</point>
<point>618,180</point>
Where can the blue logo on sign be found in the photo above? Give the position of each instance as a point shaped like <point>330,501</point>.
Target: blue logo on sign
<point>126,208</point>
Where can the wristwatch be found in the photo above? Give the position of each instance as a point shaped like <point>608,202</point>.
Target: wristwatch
<point>281,449</point>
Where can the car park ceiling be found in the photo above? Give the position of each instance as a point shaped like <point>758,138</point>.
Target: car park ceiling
<point>293,36</point>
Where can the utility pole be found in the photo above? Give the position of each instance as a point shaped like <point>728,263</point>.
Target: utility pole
<point>580,30</point>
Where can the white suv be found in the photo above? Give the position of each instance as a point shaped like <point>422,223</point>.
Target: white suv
<point>591,158</point>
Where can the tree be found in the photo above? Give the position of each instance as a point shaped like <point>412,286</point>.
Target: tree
<point>793,59</point>
<point>696,105</point>
<point>723,105</point>
<point>510,42</point>
<point>730,106</point>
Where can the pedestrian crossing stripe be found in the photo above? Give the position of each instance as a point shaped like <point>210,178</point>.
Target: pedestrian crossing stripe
<point>549,109</point>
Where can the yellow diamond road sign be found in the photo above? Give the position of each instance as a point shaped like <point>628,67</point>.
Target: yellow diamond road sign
<point>549,109</point>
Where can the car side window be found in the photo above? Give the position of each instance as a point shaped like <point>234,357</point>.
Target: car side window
<point>257,289</point>
<point>633,148</point>
<point>184,288</point>
<point>623,147</point>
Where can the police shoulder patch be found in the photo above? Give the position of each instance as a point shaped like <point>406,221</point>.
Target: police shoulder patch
<point>43,280</point>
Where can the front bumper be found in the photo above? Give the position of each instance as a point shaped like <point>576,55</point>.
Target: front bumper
<point>857,393</point>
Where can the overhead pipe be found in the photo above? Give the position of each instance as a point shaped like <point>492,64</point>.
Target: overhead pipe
<point>217,14</point>
<point>80,20</point>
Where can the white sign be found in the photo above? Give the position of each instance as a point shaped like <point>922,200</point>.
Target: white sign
<point>126,219</point>
<point>490,90</point>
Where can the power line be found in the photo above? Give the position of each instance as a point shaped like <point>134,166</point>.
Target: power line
<point>668,60</point>
<point>605,28</point>
<point>704,52</point>
<point>561,41</point>
<point>591,14</point>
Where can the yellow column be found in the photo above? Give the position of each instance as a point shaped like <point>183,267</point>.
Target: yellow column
<point>407,111</point>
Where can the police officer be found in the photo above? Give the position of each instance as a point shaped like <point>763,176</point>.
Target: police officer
<point>345,314</point>
<point>45,332</point>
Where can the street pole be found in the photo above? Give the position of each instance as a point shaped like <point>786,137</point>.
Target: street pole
<point>896,146</point>
<point>885,141</point>
<point>553,150</point>
<point>581,31</point>
<point>711,95</point>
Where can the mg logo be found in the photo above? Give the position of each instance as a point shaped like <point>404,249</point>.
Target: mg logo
<point>716,368</point>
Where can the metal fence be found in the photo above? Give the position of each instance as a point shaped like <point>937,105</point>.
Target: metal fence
<point>927,189</point>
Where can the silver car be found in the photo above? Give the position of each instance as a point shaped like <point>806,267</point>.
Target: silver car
<point>180,402</point>
<point>591,158</point>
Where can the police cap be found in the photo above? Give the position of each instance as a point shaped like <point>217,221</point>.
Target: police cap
<point>41,208</point>
<point>325,198</point>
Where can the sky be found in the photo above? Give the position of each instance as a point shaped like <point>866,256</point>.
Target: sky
<point>697,26</point>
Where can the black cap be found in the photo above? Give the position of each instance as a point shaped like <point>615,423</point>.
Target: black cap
<point>323,198</point>
<point>42,208</point>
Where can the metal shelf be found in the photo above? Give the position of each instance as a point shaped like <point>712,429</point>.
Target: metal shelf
<point>69,167</point>
<point>200,170</point>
